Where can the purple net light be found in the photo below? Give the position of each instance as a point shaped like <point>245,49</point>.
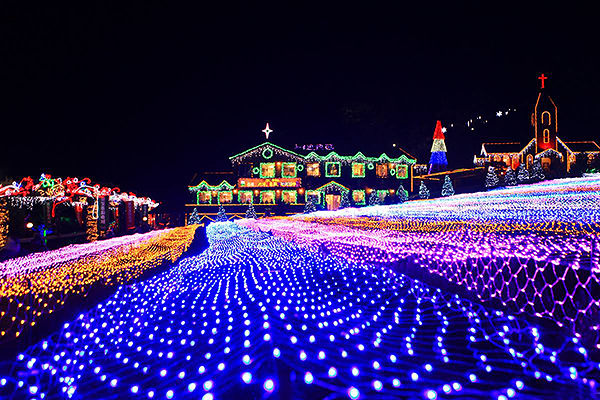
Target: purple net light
<point>534,248</point>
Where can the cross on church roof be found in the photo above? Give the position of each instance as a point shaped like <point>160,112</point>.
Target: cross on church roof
<point>267,130</point>
<point>542,78</point>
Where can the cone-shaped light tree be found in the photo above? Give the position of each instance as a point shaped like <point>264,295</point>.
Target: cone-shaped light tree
<point>537,172</point>
<point>423,191</point>
<point>447,188</point>
<point>194,218</point>
<point>438,161</point>
<point>251,212</point>
<point>374,199</point>
<point>510,178</point>
<point>345,201</point>
<point>310,206</point>
<point>491,179</point>
<point>401,194</point>
<point>221,216</point>
<point>523,174</point>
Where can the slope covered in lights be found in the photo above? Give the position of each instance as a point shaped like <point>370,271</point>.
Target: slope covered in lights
<point>38,284</point>
<point>534,248</point>
<point>256,316</point>
<point>569,201</point>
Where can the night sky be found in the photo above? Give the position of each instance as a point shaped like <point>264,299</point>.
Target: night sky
<point>144,97</point>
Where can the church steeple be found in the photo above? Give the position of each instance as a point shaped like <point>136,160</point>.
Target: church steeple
<point>544,120</point>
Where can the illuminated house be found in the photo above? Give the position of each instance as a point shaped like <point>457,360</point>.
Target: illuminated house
<point>279,181</point>
<point>555,156</point>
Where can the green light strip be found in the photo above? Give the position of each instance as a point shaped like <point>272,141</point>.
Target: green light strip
<point>332,183</point>
<point>224,185</point>
<point>266,144</point>
<point>332,156</point>
<point>359,157</point>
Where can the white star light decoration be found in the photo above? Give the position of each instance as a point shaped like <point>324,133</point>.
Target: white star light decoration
<point>267,131</point>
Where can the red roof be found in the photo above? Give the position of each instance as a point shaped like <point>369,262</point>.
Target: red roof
<point>438,134</point>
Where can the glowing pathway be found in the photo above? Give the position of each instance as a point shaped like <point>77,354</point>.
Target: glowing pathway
<point>260,317</point>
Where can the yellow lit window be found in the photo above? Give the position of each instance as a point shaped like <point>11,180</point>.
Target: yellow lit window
<point>246,197</point>
<point>312,169</point>
<point>204,197</point>
<point>382,170</point>
<point>546,118</point>
<point>358,170</point>
<point>333,169</point>
<point>225,197</point>
<point>546,136</point>
<point>289,196</point>
<point>267,170</point>
<point>267,197</point>
<point>289,170</point>
<point>402,171</point>
<point>358,196</point>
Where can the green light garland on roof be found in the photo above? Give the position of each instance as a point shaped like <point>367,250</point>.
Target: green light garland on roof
<point>204,186</point>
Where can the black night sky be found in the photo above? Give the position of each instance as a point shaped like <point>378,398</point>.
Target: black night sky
<point>144,96</point>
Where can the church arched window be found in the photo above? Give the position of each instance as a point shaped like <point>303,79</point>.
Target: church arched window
<point>546,119</point>
<point>546,136</point>
<point>529,160</point>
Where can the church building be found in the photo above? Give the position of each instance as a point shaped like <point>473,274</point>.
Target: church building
<point>556,156</point>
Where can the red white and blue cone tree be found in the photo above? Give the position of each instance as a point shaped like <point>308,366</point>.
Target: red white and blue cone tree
<point>438,161</point>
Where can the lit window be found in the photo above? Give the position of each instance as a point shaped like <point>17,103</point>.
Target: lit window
<point>267,170</point>
<point>358,196</point>
<point>358,170</point>
<point>332,169</point>
<point>546,118</point>
<point>204,197</point>
<point>382,170</point>
<point>529,160</point>
<point>225,197</point>
<point>267,197</point>
<point>401,171</point>
<point>289,196</point>
<point>245,197</point>
<point>546,136</point>
<point>312,169</point>
<point>288,170</point>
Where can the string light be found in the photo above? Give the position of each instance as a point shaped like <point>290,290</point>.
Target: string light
<point>534,248</point>
<point>41,283</point>
<point>211,309</point>
<point>27,193</point>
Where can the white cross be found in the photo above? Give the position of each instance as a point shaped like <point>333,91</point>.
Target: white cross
<point>267,130</point>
